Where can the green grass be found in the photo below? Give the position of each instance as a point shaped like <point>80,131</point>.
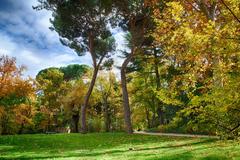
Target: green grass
<point>115,146</point>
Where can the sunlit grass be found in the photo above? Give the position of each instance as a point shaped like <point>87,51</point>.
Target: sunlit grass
<point>115,146</point>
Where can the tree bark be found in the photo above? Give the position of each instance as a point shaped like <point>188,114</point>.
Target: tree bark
<point>75,119</point>
<point>160,116</point>
<point>148,117</point>
<point>96,67</point>
<point>209,11</point>
<point>86,100</point>
<point>107,117</point>
<point>127,112</point>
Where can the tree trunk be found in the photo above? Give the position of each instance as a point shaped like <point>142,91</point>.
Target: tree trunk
<point>107,119</point>
<point>86,100</point>
<point>75,120</point>
<point>4,125</point>
<point>209,11</point>
<point>159,107</point>
<point>153,124</point>
<point>127,112</point>
<point>21,129</point>
<point>107,114</point>
<point>160,115</point>
<point>148,117</point>
<point>48,124</point>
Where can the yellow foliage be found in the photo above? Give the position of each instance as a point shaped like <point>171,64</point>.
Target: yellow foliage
<point>24,114</point>
<point>2,112</point>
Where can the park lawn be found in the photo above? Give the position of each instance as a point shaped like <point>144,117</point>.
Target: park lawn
<point>115,146</point>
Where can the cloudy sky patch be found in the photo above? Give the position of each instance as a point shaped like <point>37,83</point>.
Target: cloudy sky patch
<point>25,34</point>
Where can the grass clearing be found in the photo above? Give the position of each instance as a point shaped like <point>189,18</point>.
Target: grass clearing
<point>115,146</point>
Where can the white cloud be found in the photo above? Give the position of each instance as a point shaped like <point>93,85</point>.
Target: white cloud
<point>25,34</point>
<point>35,62</point>
<point>29,57</point>
<point>6,46</point>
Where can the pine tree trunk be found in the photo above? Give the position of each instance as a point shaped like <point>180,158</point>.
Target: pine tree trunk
<point>86,100</point>
<point>127,112</point>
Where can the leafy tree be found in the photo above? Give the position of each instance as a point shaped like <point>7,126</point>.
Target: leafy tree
<point>51,88</point>
<point>108,90</point>
<point>134,19</point>
<point>74,71</point>
<point>82,25</point>
<point>73,101</point>
<point>195,37</point>
<point>15,92</point>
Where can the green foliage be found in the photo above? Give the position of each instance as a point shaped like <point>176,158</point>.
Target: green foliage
<point>74,71</point>
<point>106,111</point>
<point>218,109</point>
<point>201,64</point>
<point>12,100</point>
<point>52,88</point>
<point>78,22</point>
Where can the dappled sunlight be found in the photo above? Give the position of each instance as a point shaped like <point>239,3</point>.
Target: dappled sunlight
<point>113,146</point>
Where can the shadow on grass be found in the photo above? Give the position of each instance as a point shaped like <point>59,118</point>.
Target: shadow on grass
<point>45,151</point>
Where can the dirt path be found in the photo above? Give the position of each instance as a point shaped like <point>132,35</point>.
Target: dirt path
<point>175,135</point>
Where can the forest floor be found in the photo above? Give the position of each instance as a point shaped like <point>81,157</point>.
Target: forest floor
<point>116,146</point>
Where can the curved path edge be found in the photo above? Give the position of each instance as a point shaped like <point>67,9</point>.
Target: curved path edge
<point>175,135</point>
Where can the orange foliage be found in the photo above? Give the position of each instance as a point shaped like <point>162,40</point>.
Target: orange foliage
<point>23,114</point>
<point>11,81</point>
<point>16,96</point>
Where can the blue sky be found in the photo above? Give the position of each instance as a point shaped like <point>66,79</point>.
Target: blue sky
<point>25,34</point>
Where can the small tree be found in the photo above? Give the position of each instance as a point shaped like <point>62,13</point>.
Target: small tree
<point>51,88</point>
<point>15,92</point>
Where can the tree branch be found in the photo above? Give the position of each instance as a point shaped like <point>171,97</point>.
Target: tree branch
<point>235,127</point>
<point>230,10</point>
<point>100,61</point>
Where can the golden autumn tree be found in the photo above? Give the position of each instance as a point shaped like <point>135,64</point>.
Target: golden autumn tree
<point>200,41</point>
<point>73,101</point>
<point>16,97</point>
<point>51,89</point>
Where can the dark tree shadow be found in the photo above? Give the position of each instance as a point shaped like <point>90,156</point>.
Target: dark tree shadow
<point>60,148</point>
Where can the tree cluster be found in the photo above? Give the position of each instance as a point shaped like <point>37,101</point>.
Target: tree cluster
<point>180,71</point>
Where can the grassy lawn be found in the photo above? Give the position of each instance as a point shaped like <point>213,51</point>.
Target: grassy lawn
<point>115,146</point>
